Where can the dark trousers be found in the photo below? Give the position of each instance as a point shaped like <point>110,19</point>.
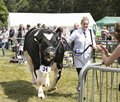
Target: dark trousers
<point>78,71</point>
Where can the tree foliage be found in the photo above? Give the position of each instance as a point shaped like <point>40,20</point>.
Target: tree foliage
<point>38,6</point>
<point>11,5</point>
<point>97,8</point>
<point>3,14</point>
<point>22,6</point>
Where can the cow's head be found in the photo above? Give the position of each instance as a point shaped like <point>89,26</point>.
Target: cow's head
<point>48,42</point>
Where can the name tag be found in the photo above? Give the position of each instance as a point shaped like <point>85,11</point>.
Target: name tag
<point>45,69</point>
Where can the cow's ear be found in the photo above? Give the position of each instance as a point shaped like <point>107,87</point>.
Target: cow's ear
<point>58,34</point>
<point>38,36</point>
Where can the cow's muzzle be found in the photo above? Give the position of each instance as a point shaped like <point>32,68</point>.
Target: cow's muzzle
<point>50,52</point>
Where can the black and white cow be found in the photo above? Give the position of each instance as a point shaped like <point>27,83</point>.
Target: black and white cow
<point>40,44</point>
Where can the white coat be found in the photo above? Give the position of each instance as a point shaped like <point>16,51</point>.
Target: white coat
<point>81,43</point>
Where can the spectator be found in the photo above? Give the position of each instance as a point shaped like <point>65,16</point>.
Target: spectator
<point>55,28</point>
<point>12,34</point>
<point>59,30</point>
<point>43,26</point>
<point>35,27</point>
<point>3,36</point>
<point>76,26</point>
<point>116,54</point>
<point>21,32</point>
<point>38,25</point>
<point>104,33</point>
<point>27,28</point>
<point>94,29</point>
<point>108,35</point>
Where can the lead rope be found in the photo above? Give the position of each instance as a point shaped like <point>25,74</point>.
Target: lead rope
<point>92,44</point>
<point>79,54</point>
<point>67,47</point>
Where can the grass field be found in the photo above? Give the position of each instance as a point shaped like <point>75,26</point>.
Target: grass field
<point>16,86</point>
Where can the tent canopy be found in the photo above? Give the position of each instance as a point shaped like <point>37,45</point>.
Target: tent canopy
<point>108,21</point>
<point>49,19</point>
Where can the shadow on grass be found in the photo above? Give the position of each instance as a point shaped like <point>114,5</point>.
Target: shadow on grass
<point>19,90</point>
<point>57,94</point>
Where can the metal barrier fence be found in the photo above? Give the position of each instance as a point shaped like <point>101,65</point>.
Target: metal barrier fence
<point>108,90</point>
<point>109,44</point>
<point>12,51</point>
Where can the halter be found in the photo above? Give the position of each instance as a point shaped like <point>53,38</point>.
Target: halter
<point>55,52</point>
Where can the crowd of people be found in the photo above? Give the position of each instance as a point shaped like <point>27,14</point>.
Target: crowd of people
<point>79,39</point>
<point>8,37</point>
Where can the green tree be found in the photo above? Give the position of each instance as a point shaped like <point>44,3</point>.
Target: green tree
<point>67,6</point>
<point>97,8</point>
<point>116,7</point>
<point>36,6</point>
<point>53,8</point>
<point>3,14</point>
<point>17,1</point>
<point>22,6</point>
<point>58,6</point>
<point>11,5</point>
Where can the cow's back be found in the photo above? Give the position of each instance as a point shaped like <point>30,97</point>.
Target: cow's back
<point>29,38</point>
<point>31,46</point>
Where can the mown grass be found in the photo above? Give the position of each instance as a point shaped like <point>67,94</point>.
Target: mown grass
<point>16,86</point>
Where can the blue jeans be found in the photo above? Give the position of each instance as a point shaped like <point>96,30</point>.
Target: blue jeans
<point>3,48</point>
<point>11,42</point>
<point>103,38</point>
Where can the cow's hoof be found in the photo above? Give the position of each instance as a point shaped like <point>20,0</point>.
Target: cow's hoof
<point>47,85</point>
<point>41,96</point>
<point>34,83</point>
<point>52,89</point>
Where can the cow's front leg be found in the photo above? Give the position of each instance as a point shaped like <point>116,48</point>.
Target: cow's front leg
<point>47,81</point>
<point>40,81</point>
<point>54,84</point>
